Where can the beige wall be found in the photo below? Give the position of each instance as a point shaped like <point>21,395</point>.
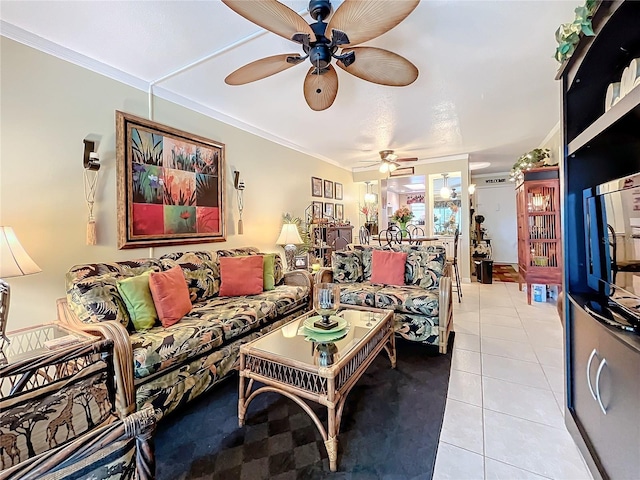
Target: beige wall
<point>48,106</point>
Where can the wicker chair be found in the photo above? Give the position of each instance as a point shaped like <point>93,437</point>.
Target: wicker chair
<point>120,450</point>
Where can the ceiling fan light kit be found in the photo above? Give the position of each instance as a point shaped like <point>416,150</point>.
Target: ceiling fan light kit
<point>354,22</point>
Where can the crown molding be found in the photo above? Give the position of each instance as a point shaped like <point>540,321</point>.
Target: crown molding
<point>42,44</point>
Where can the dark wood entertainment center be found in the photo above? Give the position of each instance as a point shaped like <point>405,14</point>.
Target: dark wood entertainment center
<point>602,362</point>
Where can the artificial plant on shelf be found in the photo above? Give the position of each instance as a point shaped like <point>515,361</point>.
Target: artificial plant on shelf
<point>533,159</point>
<point>568,34</point>
<point>302,230</point>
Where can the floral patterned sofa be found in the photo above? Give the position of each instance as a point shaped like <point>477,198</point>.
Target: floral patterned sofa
<point>422,306</point>
<point>166,367</point>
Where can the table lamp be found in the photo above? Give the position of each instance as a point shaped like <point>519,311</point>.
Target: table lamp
<point>14,262</point>
<point>289,237</point>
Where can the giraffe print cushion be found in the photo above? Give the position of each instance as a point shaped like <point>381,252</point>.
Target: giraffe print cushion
<point>38,420</point>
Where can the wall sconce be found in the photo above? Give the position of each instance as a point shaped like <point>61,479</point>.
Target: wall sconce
<point>239,186</point>
<point>472,188</point>
<point>91,164</point>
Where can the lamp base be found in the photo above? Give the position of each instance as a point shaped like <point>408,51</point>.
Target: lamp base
<point>5,295</point>
<point>289,253</point>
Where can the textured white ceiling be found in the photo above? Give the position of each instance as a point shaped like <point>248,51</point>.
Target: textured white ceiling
<point>486,85</point>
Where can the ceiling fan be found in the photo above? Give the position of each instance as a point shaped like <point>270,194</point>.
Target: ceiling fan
<point>389,161</point>
<point>354,22</point>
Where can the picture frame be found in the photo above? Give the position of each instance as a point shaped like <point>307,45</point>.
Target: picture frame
<point>317,209</point>
<point>338,191</point>
<point>339,211</point>
<point>328,209</point>
<point>328,189</point>
<point>316,187</point>
<point>170,185</point>
<point>301,262</point>
<point>402,172</point>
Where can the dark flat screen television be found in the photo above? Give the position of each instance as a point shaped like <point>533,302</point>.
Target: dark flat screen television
<point>612,240</point>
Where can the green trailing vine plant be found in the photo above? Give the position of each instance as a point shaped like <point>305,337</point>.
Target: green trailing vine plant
<point>535,158</point>
<point>568,34</point>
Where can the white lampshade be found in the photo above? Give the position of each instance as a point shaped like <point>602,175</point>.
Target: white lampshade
<point>392,167</point>
<point>445,193</point>
<point>384,167</point>
<point>14,260</point>
<point>369,198</point>
<point>472,188</point>
<point>289,235</point>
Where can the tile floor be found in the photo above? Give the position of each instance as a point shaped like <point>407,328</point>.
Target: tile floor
<point>504,414</point>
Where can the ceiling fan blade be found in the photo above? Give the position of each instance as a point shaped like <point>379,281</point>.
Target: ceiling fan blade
<point>320,90</point>
<point>273,16</point>
<point>413,159</point>
<point>263,68</point>
<point>362,21</point>
<point>381,66</point>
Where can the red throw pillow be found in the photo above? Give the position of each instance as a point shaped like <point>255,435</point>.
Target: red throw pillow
<point>387,268</point>
<point>170,295</point>
<point>241,275</point>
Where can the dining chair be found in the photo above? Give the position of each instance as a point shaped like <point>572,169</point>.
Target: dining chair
<point>414,233</point>
<point>393,236</point>
<point>365,235</point>
<point>454,264</point>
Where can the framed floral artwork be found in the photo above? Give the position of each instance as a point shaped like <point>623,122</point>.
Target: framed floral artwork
<point>170,185</point>
<point>316,187</point>
<point>328,209</point>
<point>338,191</point>
<point>317,209</point>
<point>328,189</point>
<point>339,211</point>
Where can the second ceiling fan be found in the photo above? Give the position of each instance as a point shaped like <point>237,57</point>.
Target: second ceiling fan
<point>353,23</point>
<point>389,161</point>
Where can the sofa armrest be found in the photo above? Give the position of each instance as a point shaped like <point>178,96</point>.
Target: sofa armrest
<point>445,307</point>
<point>300,278</point>
<point>122,354</point>
<point>324,275</point>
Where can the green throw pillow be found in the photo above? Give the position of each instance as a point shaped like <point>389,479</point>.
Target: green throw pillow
<point>268,277</point>
<point>137,297</point>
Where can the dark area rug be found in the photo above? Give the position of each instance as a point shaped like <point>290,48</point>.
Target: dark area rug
<point>390,428</point>
<point>504,273</point>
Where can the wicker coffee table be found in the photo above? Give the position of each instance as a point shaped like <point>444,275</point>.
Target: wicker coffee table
<point>284,361</point>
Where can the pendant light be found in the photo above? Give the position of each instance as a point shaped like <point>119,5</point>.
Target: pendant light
<point>472,189</point>
<point>445,193</point>
<point>368,196</point>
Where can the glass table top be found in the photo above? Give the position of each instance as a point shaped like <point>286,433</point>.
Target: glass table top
<point>293,341</point>
<point>32,342</point>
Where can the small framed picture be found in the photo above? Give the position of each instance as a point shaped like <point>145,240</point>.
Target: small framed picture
<point>339,211</point>
<point>301,262</point>
<point>328,209</point>
<point>317,209</point>
<point>316,187</point>
<point>328,189</point>
<point>338,191</point>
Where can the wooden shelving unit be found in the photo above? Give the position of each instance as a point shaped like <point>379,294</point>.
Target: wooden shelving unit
<point>539,228</point>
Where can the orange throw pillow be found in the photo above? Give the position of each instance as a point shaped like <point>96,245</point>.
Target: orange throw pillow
<point>241,275</point>
<point>170,295</point>
<point>387,268</point>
